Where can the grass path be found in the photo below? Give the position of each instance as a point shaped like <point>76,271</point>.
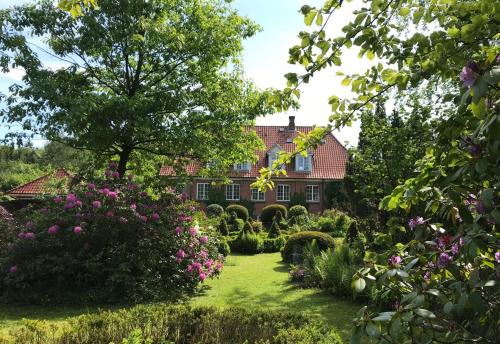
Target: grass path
<point>259,281</point>
<point>262,282</point>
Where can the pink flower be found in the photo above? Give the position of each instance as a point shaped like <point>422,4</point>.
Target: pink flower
<point>112,165</point>
<point>58,199</point>
<point>155,217</point>
<point>178,230</point>
<point>218,267</point>
<point>78,203</point>
<point>133,206</point>
<point>193,231</point>
<point>77,230</point>
<point>143,194</point>
<point>107,173</point>
<point>417,221</point>
<point>91,186</point>
<point>130,177</point>
<point>181,254</point>
<point>30,224</point>
<point>203,254</point>
<point>96,204</point>
<point>184,196</point>
<point>70,197</point>
<point>204,239</point>
<point>497,257</point>
<point>29,236</point>
<point>189,268</point>
<point>104,191</point>
<point>202,276</point>
<point>144,218</point>
<point>192,208</point>
<point>469,74</point>
<point>110,213</point>
<point>21,235</point>
<point>112,195</point>
<point>69,206</point>
<point>13,269</point>
<point>131,186</point>
<point>395,260</point>
<point>209,263</point>
<point>53,229</point>
<point>116,175</point>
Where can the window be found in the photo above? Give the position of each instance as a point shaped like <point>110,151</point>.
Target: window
<point>258,195</point>
<point>233,192</point>
<point>312,193</point>
<point>283,193</point>
<point>202,191</point>
<point>303,163</point>
<point>273,156</point>
<point>242,166</point>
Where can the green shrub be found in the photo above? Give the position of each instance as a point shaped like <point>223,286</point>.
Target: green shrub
<point>247,228</point>
<point>217,196</point>
<point>214,210</point>
<point>247,242</point>
<point>240,211</point>
<point>274,231</point>
<point>269,212</point>
<point>326,224</point>
<point>298,198</point>
<point>249,205</point>
<point>181,325</point>
<point>257,226</point>
<point>297,215</point>
<point>223,228</point>
<point>355,239</point>
<point>235,224</point>
<point>223,247</point>
<point>274,245</point>
<point>297,241</point>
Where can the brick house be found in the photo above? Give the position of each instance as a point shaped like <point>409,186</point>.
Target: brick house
<point>308,175</point>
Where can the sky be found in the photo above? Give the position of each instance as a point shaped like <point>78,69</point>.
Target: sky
<point>265,61</point>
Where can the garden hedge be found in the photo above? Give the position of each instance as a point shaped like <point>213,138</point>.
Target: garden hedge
<point>323,240</point>
<point>180,325</point>
<point>240,211</point>
<point>270,211</point>
<point>214,210</point>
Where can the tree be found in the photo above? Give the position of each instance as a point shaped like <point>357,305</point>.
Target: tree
<point>442,285</point>
<point>161,77</point>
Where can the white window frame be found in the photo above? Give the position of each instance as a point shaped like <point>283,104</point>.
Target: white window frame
<point>203,195</point>
<point>282,193</point>
<point>303,163</point>
<point>310,193</point>
<point>230,192</point>
<point>261,196</point>
<point>242,166</point>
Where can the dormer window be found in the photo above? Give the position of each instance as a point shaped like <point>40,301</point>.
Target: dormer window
<point>242,166</point>
<point>273,155</point>
<point>303,163</point>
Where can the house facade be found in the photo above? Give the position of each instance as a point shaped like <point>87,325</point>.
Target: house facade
<point>304,175</point>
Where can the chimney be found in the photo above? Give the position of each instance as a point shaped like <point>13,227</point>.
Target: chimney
<point>291,123</point>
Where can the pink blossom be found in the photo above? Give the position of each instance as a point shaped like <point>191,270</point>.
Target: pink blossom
<point>144,218</point>
<point>69,206</point>
<point>143,194</point>
<point>395,260</point>
<point>133,206</point>
<point>53,229</point>
<point>184,196</point>
<point>218,267</point>
<point>71,197</point>
<point>107,173</point>
<point>178,230</point>
<point>110,213</point>
<point>193,231</point>
<point>203,254</point>
<point>91,186</point>
<point>427,276</point>
<point>58,199</point>
<point>155,216</point>
<point>77,230</point>
<point>21,235</point>
<point>189,268</point>
<point>455,248</point>
<point>417,221</point>
<point>104,191</point>
<point>469,74</point>
<point>30,224</point>
<point>112,165</point>
<point>13,269</point>
<point>96,204</point>
<point>192,208</point>
<point>204,239</point>
<point>181,254</point>
<point>131,186</point>
<point>209,263</point>
<point>197,266</point>
<point>112,195</point>
<point>116,175</point>
<point>202,276</point>
<point>78,203</point>
<point>497,257</point>
<point>29,236</point>
<point>443,260</point>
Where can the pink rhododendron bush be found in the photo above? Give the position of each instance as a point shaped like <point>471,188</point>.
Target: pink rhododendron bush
<point>108,241</point>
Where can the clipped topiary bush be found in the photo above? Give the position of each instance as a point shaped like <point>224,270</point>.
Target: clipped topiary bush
<point>223,228</point>
<point>273,245</point>
<point>257,226</point>
<point>182,325</point>
<point>247,242</point>
<point>235,224</point>
<point>297,214</point>
<point>298,240</point>
<point>274,230</point>
<point>223,247</point>
<point>269,212</point>
<point>241,211</point>
<point>247,228</point>
<point>106,241</point>
<point>214,210</point>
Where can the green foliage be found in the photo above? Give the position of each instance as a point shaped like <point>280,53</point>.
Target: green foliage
<point>269,212</point>
<point>217,196</point>
<point>249,205</point>
<point>181,324</point>
<point>214,210</point>
<point>296,242</point>
<point>223,228</point>
<point>223,247</point>
<point>108,242</point>
<point>135,79</point>
<point>273,245</point>
<point>247,242</point>
<point>298,198</point>
<point>14,173</point>
<point>297,215</point>
<point>274,230</point>
<point>257,226</point>
<point>239,210</point>
<point>247,228</point>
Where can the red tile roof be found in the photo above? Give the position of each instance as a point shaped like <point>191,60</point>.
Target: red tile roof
<point>38,186</point>
<point>329,159</point>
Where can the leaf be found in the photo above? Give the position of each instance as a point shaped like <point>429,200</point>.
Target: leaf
<point>372,330</point>
<point>383,317</point>
<point>448,307</point>
<point>359,285</point>
<point>404,11</point>
<point>424,313</point>
<point>309,17</point>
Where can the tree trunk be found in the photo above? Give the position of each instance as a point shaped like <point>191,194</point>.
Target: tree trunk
<point>124,157</point>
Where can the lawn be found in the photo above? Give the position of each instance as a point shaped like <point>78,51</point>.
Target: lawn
<point>259,281</point>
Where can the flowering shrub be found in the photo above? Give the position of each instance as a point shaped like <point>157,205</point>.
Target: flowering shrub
<point>108,241</point>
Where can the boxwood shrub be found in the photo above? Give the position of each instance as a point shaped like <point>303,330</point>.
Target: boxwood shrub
<point>247,242</point>
<point>214,210</point>
<point>240,211</point>
<point>273,245</point>
<point>181,325</point>
<point>270,211</point>
<point>323,240</point>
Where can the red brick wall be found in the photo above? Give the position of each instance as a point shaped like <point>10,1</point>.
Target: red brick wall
<point>270,196</point>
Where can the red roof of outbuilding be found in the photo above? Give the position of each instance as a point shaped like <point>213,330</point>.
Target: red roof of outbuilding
<point>38,186</point>
<point>329,159</point>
